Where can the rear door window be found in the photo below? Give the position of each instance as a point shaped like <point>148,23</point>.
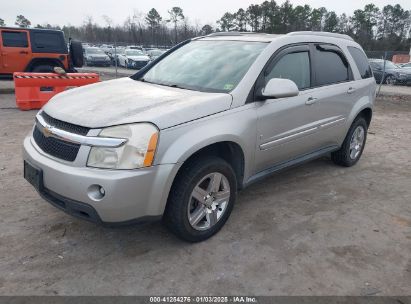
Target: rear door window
<point>330,66</point>
<point>14,39</point>
<point>361,61</point>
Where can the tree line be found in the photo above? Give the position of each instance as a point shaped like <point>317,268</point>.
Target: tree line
<point>386,28</point>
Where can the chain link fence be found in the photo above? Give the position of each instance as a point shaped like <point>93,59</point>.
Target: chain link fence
<point>382,54</point>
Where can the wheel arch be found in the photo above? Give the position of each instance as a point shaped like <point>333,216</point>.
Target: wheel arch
<point>363,106</point>
<point>230,151</point>
<point>43,61</point>
<point>367,114</point>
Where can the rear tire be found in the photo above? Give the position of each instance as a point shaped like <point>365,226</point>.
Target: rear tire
<point>213,182</point>
<point>43,68</point>
<point>353,145</point>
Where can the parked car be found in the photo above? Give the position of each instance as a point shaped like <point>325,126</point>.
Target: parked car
<point>392,75</point>
<point>218,113</point>
<point>133,59</point>
<point>406,65</point>
<point>94,56</point>
<point>134,47</point>
<point>36,50</point>
<point>108,49</point>
<point>155,53</point>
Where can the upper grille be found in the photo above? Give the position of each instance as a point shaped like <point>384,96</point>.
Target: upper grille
<point>64,125</point>
<point>57,147</point>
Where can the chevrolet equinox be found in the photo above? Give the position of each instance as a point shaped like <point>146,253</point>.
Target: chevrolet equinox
<point>179,139</point>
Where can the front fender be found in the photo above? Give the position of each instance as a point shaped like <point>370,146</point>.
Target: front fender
<point>238,125</point>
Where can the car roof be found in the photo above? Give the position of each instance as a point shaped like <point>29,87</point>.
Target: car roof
<point>29,29</point>
<point>263,37</point>
<point>241,36</point>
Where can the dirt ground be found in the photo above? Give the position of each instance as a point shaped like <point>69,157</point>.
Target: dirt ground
<point>317,229</point>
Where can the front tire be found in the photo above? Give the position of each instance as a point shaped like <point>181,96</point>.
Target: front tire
<point>390,80</point>
<point>201,199</point>
<point>353,145</point>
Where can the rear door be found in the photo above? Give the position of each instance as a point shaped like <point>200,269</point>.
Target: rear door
<point>336,92</point>
<point>15,50</point>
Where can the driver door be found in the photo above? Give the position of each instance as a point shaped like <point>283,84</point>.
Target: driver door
<point>15,50</point>
<point>286,127</point>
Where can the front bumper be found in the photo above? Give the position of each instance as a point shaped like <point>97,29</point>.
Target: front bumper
<point>96,62</point>
<point>404,80</point>
<point>136,64</point>
<point>130,195</point>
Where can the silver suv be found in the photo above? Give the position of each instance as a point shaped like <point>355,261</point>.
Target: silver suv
<point>211,116</point>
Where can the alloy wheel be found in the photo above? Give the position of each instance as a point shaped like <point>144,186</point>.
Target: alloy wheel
<point>357,142</point>
<point>208,201</point>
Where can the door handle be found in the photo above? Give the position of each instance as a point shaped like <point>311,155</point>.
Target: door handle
<point>24,52</point>
<point>351,90</point>
<point>311,100</point>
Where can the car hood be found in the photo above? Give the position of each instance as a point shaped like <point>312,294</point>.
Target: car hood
<point>137,58</point>
<point>403,71</point>
<point>398,70</point>
<point>125,100</point>
<point>97,56</point>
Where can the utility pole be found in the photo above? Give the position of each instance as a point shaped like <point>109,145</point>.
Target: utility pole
<point>109,22</point>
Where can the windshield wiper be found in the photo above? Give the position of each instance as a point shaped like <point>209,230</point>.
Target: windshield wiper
<point>173,85</point>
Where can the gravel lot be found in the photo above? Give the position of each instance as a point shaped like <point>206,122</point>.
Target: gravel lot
<point>317,229</point>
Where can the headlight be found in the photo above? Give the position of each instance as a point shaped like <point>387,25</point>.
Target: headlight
<point>137,152</point>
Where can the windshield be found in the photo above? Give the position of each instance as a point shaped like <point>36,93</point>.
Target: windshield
<point>94,51</point>
<point>156,53</point>
<point>216,66</point>
<point>134,53</point>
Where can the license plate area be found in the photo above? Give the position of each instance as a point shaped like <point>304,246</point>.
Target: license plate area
<point>33,175</point>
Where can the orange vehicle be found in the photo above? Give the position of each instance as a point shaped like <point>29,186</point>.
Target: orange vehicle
<point>36,50</point>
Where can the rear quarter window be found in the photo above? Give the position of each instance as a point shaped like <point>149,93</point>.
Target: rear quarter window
<point>14,39</point>
<point>48,42</point>
<point>361,61</point>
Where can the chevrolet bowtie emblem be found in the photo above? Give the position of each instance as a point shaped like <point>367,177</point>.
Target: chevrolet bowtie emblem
<point>47,131</point>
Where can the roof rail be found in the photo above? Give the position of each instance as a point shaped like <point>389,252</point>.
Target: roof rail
<point>234,33</point>
<point>324,34</point>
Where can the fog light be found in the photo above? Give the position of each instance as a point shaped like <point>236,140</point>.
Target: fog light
<point>96,192</point>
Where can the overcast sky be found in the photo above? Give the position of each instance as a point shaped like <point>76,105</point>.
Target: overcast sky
<point>208,11</point>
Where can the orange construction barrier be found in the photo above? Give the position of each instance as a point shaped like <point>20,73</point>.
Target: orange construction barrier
<point>34,90</point>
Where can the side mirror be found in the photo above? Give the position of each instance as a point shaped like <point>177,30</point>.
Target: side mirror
<point>279,88</point>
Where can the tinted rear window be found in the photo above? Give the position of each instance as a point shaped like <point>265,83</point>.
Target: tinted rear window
<point>48,42</point>
<point>14,39</point>
<point>361,61</point>
<point>331,66</point>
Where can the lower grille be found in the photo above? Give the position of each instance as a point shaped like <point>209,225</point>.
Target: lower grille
<point>139,64</point>
<point>55,147</point>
